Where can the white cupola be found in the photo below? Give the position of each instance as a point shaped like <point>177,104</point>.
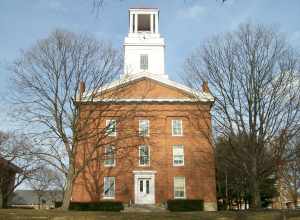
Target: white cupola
<point>144,49</point>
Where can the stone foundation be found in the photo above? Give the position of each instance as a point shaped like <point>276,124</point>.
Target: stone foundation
<point>210,206</point>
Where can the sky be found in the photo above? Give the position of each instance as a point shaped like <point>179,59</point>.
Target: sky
<point>185,25</point>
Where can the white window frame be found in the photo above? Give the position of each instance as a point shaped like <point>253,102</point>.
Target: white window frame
<point>184,188</point>
<point>114,156</point>
<point>144,165</point>
<point>112,134</point>
<point>173,122</point>
<point>114,188</point>
<point>140,128</point>
<point>173,148</point>
<point>146,64</point>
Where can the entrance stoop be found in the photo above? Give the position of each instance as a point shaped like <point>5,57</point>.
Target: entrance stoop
<point>144,208</point>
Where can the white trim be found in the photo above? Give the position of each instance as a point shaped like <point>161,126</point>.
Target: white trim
<point>199,96</point>
<point>144,174</point>
<point>144,165</point>
<point>148,123</point>
<point>113,134</point>
<point>181,133</point>
<point>184,185</point>
<point>174,146</point>
<point>144,100</point>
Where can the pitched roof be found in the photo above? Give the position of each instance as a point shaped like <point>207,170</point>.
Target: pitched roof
<point>198,96</point>
<point>9,165</point>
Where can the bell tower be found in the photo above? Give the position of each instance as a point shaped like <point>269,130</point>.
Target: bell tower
<point>144,49</point>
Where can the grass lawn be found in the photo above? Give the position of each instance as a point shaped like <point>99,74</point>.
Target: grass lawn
<point>14,214</point>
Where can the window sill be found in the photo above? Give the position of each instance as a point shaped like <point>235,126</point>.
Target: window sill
<point>109,165</point>
<point>178,165</point>
<point>109,198</point>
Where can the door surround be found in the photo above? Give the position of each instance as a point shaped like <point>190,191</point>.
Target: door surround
<point>139,174</point>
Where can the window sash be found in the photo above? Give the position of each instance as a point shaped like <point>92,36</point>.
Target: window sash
<point>111,127</point>
<point>109,187</point>
<point>144,127</point>
<point>144,62</point>
<point>176,127</point>
<point>178,155</point>
<point>179,187</point>
<point>144,155</point>
<point>110,159</point>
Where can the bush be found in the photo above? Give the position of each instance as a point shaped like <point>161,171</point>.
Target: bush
<point>113,206</point>
<point>57,204</point>
<point>185,205</point>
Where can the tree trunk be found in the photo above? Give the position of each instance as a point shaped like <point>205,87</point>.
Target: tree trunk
<point>255,195</point>
<point>1,199</point>
<point>68,189</point>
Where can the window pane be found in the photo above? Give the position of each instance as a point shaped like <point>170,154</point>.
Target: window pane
<point>176,127</point>
<point>144,127</point>
<point>178,155</point>
<point>147,187</point>
<point>109,156</point>
<point>179,187</point>
<point>141,185</point>
<point>144,155</point>
<point>111,127</point>
<point>109,186</point>
<point>144,62</point>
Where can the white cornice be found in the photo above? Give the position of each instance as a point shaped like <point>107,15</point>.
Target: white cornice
<point>126,79</point>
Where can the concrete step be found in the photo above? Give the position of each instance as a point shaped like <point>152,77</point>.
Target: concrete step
<point>144,208</point>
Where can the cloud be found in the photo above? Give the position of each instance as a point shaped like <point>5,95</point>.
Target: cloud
<point>194,11</point>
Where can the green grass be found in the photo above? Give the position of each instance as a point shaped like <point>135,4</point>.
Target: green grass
<point>20,214</point>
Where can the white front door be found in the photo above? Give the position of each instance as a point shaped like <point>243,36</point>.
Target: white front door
<point>144,189</point>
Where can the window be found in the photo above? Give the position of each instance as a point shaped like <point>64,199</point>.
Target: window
<point>111,127</point>
<point>176,127</point>
<point>144,155</point>
<point>109,187</point>
<point>178,155</point>
<point>144,127</point>
<point>179,187</point>
<point>144,62</point>
<point>144,22</point>
<point>109,155</point>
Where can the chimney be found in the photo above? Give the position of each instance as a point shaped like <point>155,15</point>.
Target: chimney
<point>81,88</point>
<point>205,87</point>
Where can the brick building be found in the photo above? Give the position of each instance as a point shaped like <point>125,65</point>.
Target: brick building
<point>158,131</point>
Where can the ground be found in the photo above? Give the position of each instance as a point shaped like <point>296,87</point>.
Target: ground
<point>14,214</point>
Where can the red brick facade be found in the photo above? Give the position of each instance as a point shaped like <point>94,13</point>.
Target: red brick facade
<point>198,168</point>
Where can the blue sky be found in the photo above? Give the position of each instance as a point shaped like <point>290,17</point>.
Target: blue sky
<point>184,24</point>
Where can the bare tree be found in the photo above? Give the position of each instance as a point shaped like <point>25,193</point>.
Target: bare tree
<point>253,74</point>
<point>50,79</point>
<point>17,163</point>
<point>289,170</point>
